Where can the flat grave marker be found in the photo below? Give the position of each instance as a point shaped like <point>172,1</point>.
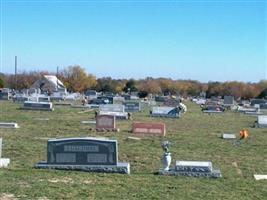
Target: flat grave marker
<point>193,169</point>
<point>228,136</point>
<point>8,125</point>
<point>260,177</point>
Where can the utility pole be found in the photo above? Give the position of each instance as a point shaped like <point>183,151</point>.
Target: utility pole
<point>57,78</point>
<point>16,81</point>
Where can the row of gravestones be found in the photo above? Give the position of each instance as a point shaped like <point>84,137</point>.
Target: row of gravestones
<point>101,155</point>
<point>108,123</point>
<point>118,110</point>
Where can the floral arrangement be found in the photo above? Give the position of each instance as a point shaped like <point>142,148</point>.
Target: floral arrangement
<point>165,146</point>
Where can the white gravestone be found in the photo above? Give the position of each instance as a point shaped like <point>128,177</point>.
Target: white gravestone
<point>4,162</point>
<point>262,121</point>
<point>8,125</point>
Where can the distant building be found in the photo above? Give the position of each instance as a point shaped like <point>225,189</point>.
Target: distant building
<point>49,84</point>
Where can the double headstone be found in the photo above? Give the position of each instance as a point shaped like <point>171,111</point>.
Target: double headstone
<point>148,128</point>
<point>116,110</point>
<point>4,162</point>
<point>169,112</point>
<point>31,105</point>
<point>131,106</point>
<point>84,154</point>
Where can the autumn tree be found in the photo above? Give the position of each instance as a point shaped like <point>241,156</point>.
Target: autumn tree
<point>149,85</point>
<point>1,82</point>
<point>76,79</point>
<point>130,86</point>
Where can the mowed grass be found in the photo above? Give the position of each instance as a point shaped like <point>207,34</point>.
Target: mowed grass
<point>195,136</point>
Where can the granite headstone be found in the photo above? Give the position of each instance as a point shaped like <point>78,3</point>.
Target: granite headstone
<point>85,154</point>
<point>149,128</point>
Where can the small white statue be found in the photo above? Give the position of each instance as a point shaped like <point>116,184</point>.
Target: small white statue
<point>166,157</point>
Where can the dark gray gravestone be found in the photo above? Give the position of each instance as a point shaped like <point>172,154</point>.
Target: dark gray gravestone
<point>31,105</point>
<point>84,154</point>
<point>160,98</point>
<point>228,100</point>
<point>107,99</point>
<point>172,102</point>
<point>165,111</point>
<point>82,151</point>
<point>257,101</point>
<point>44,99</point>
<point>5,95</point>
<point>132,106</point>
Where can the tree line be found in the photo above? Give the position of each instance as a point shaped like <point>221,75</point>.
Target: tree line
<point>76,79</point>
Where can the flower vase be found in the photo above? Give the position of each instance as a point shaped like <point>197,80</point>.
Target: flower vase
<point>166,159</point>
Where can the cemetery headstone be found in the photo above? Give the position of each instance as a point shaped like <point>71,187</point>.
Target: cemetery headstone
<point>261,121</point>
<point>4,162</point>
<point>84,154</point>
<point>172,102</point>
<point>228,100</point>
<point>257,101</point>
<point>31,105</point>
<point>127,97</point>
<point>192,169</point>
<point>169,112</point>
<point>148,128</point>
<point>213,109</point>
<point>116,110</point>
<point>106,99</point>
<point>44,99</point>
<point>106,123</point>
<point>8,125</point>
<point>5,94</point>
<point>131,106</point>
<point>228,136</point>
<point>186,168</point>
<point>260,177</point>
<point>160,98</point>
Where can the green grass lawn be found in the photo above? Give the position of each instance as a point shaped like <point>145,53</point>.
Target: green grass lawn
<point>195,136</point>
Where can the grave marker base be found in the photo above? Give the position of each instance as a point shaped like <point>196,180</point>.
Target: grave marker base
<point>105,129</point>
<point>33,108</point>
<point>173,172</point>
<point>165,115</point>
<point>193,169</point>
<point>121,168</point>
